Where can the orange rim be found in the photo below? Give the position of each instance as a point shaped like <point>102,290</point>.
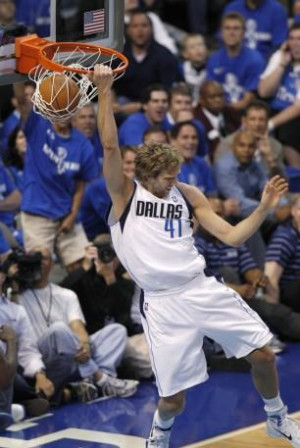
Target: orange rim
<point>49,50</point>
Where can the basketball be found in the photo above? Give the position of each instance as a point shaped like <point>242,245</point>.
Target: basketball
<point>60,92</point>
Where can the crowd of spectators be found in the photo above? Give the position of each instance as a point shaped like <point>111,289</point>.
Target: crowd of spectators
<point>226,94</point>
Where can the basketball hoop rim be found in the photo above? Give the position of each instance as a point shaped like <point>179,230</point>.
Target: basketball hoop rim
<point>49,49</point>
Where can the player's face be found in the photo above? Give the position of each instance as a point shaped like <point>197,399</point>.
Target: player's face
<point>180,102</point>
<point>232,32</point>
<point>161,185</point>
<point>186,142</point>
<point>294,44</point>
<point>195,50</point>
<point>244,149</point>
<point>256,121</point>
<point>213,98</point>
<point>85,121</point>
<point>129,164</point>
<point>156,107</point>
<point>139,30</point>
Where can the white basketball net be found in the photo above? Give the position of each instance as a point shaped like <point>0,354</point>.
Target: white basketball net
<point>86,90</point>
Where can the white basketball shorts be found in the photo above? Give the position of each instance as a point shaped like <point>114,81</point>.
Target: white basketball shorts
<point>175,322</point>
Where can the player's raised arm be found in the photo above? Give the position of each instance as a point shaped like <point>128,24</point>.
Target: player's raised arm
<point>238,234</point>
<point>118,184</point>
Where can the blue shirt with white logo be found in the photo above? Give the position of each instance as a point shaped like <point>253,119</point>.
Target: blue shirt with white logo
<point>53,164</point>
<point>288,90</point>
<point>266,25</point>
<point>238,75</point>
<point>7,186</point>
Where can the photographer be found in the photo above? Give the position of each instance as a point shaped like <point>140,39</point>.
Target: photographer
<point>18,346</point>
<point>105,293</point>
<point>68,351</point>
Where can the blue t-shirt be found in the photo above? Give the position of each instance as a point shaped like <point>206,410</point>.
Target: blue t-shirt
<point>237,75</point>
<point>284,248</point>
<point>266,25</point>
<point>36,15</point>
<point>4,246</point>
<point>94,207</point>
<point>7,186</point>
<point>132,130</point>
<point>197,172</point>
<point>53,164</point>
<point>288,90</point>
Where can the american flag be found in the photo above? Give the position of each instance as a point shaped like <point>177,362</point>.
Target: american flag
<point>94,22</point>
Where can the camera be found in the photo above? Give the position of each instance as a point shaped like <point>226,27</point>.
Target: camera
<point>29,267</point>
<point>105,252</point>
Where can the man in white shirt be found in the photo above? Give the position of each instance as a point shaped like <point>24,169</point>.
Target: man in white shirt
<point>59,326</point>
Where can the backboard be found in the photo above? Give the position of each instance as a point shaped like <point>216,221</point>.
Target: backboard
<point>99,22</point>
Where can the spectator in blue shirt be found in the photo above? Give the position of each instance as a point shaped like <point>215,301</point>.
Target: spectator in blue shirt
<point>235,66</point>
<point>59,162</point>
<point>155,105</point>
<point>266,24</point>
<point>283,260</point>
<point>280,84</point>
<point>194,170</point>
<point>181,101</point>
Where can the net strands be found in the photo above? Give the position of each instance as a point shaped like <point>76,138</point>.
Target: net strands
<point>71,62</point>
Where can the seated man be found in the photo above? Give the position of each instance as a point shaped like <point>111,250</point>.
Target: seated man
<point>269,150</point>
<point>283,260</point>
<point>59,327</point>
<point>105,294</point>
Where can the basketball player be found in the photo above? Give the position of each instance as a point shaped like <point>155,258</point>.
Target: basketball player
<point>151,229</point>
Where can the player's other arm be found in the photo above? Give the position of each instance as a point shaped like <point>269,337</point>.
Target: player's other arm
<point>118,185</point>
<point>274,271</point>
<point>238,234</point>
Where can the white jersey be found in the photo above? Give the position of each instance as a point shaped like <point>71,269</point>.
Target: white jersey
<point>153,240</point>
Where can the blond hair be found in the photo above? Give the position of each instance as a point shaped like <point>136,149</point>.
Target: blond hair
<point>154,158</point>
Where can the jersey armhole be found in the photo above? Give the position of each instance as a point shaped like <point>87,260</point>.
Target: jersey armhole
<point>110,220</point>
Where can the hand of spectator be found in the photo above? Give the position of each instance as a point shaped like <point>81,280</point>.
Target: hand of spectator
<point>283,212</point>
<point>261,282</point>
<point>7,334</point>
<point>91,255</point>
<point>66,224</point>
<point>106,270</point>
<point>246,290</point>
<point>273,192</point>
<point>44,385</point>
<point>83,353</point>
<point>102,77</point>
<point>285,54</point>
<point>12,271</point>
<point>231,207</point>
